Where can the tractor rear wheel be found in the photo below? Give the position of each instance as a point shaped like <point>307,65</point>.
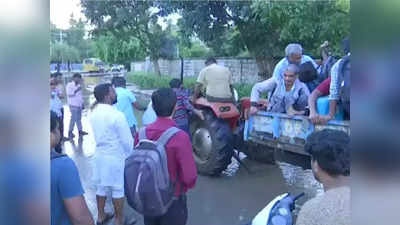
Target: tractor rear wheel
<point>212,143</point>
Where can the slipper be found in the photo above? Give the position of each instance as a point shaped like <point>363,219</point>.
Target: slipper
<point>109,216</point>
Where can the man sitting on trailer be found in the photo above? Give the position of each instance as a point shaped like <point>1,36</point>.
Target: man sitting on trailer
<point>288,95</point>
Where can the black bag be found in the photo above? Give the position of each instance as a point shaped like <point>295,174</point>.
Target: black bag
<point>307,72</point>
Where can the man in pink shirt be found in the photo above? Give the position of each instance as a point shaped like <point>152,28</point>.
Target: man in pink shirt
<point>181,165</point>
<point>75,102</point>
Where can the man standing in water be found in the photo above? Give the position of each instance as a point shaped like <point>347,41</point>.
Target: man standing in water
<point>75,102</point>
<point>114,142</point>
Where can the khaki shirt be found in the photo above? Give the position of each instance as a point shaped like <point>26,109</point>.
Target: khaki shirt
<point>332,208</point>
<point>217,80</point>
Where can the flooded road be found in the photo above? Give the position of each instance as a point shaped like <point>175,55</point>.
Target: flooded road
<point>234,198</point>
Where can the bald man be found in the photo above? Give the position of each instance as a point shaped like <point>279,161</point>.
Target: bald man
<point>288,95</point>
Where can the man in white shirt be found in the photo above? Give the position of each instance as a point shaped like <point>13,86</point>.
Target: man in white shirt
<point>114,143</point>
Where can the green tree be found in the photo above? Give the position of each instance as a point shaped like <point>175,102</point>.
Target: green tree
<point>60,52</point>
<point>263,28</point>
<point>116,51</point>
<point>132,19</point>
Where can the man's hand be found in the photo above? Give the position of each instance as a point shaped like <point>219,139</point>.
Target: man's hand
<point>199,113</point>
<point>253,110</point>
<point>315,118</point>
<point>324,119</point>
<point>78,89</point>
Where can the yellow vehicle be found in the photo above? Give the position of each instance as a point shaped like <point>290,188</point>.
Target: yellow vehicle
<point>93,65</point>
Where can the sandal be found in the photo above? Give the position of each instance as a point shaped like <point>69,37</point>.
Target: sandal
<point>109,216</point>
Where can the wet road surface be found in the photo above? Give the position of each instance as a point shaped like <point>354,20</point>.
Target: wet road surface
<point>233,198</point>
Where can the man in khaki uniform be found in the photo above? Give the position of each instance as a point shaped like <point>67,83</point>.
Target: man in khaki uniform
<point>217,80</point>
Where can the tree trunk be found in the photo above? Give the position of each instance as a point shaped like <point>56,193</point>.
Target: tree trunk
<point>265,66</point>
<point>156,67</point>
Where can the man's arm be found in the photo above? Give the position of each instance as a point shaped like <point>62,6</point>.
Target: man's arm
<point>124,133</point>
<point>257,90</point>
<point>78,211</point>
<point>312,99</point>
<point>71,191</point>
<point>187,166</point>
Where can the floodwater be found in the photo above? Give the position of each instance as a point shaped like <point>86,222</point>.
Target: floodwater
<point>233,198</point>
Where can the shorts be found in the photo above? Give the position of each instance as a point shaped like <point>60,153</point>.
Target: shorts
<point>116,192</point>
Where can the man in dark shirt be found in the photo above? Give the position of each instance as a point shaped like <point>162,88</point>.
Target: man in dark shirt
<point>181,165</point>
<point>68,206</point>
<point>183,106</point>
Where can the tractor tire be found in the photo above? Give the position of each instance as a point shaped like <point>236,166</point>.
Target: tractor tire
<point>212,143</point>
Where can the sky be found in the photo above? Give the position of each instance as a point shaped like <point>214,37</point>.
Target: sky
<point>60,12</point>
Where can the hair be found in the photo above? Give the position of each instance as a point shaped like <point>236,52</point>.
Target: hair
<point>293,48</point>
<point>55,74</point>
<point>330,148</point>
<point>210,60</point>
<point>164,101</point>
<point>101,91</point>
<point>118,82</point>
<point>293,68</point>
<point>53,121</point>
<point>77,75</point>
<point>175,83</point>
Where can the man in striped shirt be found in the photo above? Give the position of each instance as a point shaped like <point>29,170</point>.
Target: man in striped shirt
<point>183,106</point>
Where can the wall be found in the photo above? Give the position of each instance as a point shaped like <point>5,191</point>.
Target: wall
<point>243,70</point>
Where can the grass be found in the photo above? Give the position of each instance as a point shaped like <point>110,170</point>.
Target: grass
<point>152,81</point>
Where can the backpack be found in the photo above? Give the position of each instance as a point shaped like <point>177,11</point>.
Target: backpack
<point>148,188</point>
<point>344,79</point>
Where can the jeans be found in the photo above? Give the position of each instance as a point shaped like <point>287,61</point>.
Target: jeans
<point>176,215</point>
<point>76,115</point>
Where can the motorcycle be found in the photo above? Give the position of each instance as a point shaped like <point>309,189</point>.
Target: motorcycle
<point>278,211</point>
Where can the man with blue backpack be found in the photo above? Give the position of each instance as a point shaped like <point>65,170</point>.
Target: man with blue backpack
<point>161,169</point>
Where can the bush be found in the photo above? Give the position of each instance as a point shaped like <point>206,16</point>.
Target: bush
<point>152,81</point>
<point>244,90</point>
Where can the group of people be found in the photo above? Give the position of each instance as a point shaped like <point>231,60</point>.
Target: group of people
<point>296,75</point>
<point>114,128</point>
<point>75,104</point>
<point>116,134</point>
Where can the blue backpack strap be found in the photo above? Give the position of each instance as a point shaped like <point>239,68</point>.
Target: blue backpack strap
<point>168,134</point>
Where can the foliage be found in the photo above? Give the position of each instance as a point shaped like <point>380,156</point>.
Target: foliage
<point>263,28</point>
<point>110,49</point>
<point>132,19</point>
<point>244,90</point>
<point>63,52</point>
<point>152,81</point>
